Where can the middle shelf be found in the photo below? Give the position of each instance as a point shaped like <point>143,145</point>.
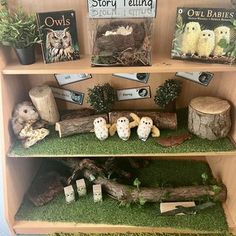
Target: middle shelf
<point>87,145</point>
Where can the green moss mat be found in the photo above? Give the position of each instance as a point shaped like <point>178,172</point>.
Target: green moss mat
<point>158,173</point>
<point>88,144</point>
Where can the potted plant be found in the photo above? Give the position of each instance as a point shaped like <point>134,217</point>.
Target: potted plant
<point>167,94</point>
<point>19,30</point>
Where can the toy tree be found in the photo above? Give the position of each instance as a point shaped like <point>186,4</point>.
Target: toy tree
<point>102,98</point>
<point>167,94</point>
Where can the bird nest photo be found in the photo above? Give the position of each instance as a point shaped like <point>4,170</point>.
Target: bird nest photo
<point>205,34</point>
<point>122,43</point>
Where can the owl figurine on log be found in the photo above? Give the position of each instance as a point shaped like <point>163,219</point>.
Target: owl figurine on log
<point>101,128</point>
<point>123,128</point>
<point>145,127</point>
<point>27,125</point>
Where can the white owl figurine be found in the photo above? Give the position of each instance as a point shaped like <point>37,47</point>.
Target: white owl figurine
<point>221,32</point>
<point>123,128</point>
<point>206,43</point>
<point>101,128</point>
<point>145,127</point>
<point>69,194</point>
<point>190,38</point>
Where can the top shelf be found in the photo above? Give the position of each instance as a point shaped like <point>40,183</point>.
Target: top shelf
<point>160,65</point>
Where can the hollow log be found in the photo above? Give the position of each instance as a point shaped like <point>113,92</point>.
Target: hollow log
<point>44,101</point>
<point>131,194</point>
<point>161,119</point>
<point>77,126</point>
<point>209,117</point>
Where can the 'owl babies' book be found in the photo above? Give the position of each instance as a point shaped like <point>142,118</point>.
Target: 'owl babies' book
<point>59,36</point>
<point>205,34</point>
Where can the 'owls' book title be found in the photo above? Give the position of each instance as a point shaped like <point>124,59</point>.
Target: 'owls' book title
<point>59,36</point>
<point>206,34</point>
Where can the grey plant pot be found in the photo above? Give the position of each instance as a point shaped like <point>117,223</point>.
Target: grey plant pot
<point>26,56</point>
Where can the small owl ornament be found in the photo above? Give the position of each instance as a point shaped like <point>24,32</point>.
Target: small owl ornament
<point>123,128</point>
<point>101,128</point>
<point>145,127</point>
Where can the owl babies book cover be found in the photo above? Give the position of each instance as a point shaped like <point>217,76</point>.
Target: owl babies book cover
<point>205,34</point>
<point>59,36</point>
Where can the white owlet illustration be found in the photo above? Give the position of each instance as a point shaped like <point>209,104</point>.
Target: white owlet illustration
<point>206,43</point>
<point>144,128</point>
<point>221,32</point>
<point>190,38</point>
<point>101,128</point>
<point>123,128</point>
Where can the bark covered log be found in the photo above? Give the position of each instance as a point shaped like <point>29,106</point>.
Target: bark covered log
<point>209,118</point>
<point>161,119</point>
<point>127,193</point>
<point>77,126</point>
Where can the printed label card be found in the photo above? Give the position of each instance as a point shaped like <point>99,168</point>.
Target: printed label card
<point>68,95</point>
<point>138,77</point>
<point>69,194</point>
<point>81,187</point>
<point>97,193</point>
<point>64,79</point>
<point>133,93</point>
<point>203,78</point>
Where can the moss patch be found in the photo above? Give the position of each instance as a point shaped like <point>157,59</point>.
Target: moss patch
<point>88,144</point>
<point>139,234</point>
<point>158,173</point>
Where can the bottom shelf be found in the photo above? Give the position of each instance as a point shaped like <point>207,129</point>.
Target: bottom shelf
<point>109,216</point>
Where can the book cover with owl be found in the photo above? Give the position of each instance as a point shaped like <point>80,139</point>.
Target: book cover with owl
<point>59,36</point>
<point>205,34</point>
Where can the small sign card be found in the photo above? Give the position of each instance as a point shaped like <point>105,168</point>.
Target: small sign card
<point>81,187</point>
<point>69,194</point>
<point>203,78</point>
<point>68,95</point>
<point>133,93</point>
<point>139,77</point>
<point>97,193</point>
<point>64,79</point>
<point>122,8</point>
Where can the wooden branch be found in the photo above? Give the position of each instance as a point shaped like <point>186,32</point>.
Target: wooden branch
<point>132,194</point>
<point>77,126</point>
<point>161,120</point>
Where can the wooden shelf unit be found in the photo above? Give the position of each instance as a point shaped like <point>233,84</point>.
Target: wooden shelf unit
<point>160,65</point>
<point>16,80</point>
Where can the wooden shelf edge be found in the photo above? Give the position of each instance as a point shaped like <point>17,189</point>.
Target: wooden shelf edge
<point>40,227</point>
<point>190,154</point>
<point>161,64</point>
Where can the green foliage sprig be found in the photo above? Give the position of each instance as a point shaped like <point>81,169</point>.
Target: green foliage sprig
<point>229,48</point>
<point>18,29</point>
<point>102,98</point>
<point>167,92</point>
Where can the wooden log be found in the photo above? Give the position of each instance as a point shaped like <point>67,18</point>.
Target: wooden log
<point>209,117</point>
<point>131,194</point>
<point>74,114</point>
<point>44,101</point>
<point>77,126</point>
<point>161,119</point>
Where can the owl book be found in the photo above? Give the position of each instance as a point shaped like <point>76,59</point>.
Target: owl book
<point>205,34</point>
<point>59,36</point>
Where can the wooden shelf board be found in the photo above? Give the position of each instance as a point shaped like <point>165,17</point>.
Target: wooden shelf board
<point>160,65</point>
<point>34,227</point>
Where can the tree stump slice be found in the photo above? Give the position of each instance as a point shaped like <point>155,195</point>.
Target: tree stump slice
<point>209,117</point>
<point>44,101</point>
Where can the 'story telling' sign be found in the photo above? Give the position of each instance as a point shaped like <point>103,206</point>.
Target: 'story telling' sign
<point>122,8</point>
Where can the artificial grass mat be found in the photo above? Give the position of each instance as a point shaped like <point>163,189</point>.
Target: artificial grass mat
<point>158,173</point>
<point>88,144</point>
